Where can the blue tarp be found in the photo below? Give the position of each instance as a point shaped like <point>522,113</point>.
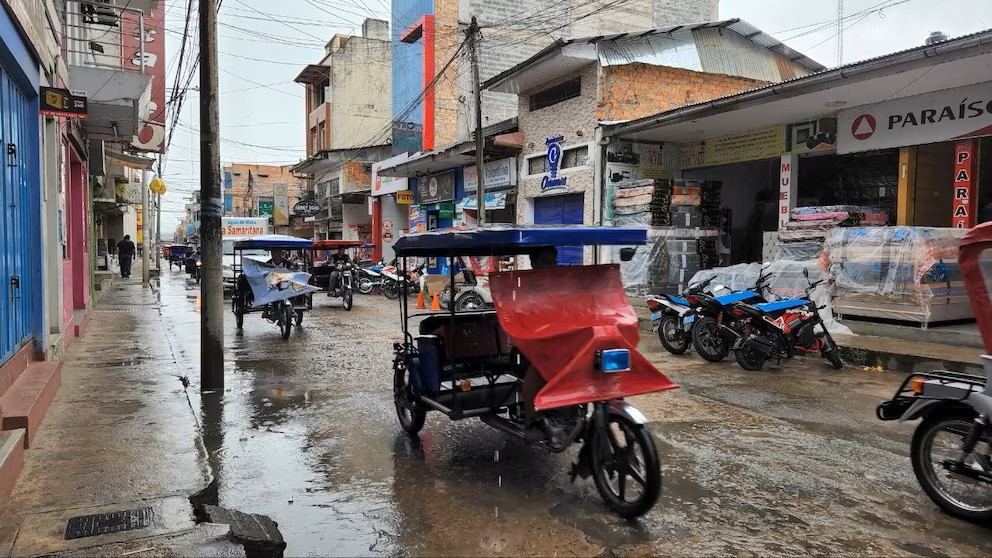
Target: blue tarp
<point>274,241</point>
<point>273,284</point>
<point>503,240</point>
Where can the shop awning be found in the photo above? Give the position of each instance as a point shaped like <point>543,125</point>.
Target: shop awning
<point>954,63</point>
<point>331,159</point>
<point>495,200</point>
<point>460,154</point>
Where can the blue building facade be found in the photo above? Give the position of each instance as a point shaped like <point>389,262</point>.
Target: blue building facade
<point>408,75</point>
<point>21,256</point>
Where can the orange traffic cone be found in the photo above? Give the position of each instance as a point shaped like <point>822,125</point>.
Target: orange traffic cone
<point>420,301</point>
<point>435,305</point>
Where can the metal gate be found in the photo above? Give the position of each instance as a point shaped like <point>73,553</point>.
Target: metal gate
<point>561,210</point>
<point>17,122</point>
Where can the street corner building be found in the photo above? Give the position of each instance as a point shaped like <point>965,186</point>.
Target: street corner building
<point>82,98</point>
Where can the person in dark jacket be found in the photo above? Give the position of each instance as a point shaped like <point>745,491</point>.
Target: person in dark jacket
<point>125,252</point>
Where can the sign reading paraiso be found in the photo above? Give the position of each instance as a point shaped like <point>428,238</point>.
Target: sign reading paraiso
<point>951,114</point>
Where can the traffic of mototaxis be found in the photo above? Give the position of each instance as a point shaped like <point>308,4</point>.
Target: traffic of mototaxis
<point>485,339</point>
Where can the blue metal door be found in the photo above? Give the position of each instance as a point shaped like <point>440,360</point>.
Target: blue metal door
<point>17,120</point>
<point>562,210</point>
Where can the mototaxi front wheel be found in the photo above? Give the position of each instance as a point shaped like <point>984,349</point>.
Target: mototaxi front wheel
<point>411,417</point>
<point>625,466</point>
<point>672,336</point>
<point>348,298</point>
<point>708,340</point>
<point>939,439</point>
<point>285,320</point>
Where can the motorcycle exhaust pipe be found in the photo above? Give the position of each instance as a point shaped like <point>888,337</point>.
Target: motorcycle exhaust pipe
<point>761,344</point>
<point>729,333</point>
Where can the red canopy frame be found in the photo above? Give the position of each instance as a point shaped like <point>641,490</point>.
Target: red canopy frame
<point>974,243</point>
<point>559,318</point>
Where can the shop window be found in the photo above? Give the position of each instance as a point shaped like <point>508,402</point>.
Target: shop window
<point>575,157</point>
<point>933,202</point>
<point>868,179</point>
<point>554,95</point>
<point>984,173</point>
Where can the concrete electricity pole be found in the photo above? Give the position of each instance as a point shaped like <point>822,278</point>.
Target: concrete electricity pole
<point>480,141</point>
<point>211,208</point>
<point>145,241</point>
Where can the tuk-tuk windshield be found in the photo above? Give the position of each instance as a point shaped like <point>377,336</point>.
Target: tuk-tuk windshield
<point>228,247</point>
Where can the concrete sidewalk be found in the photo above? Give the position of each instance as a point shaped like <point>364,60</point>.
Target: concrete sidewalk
<point>120,435</point>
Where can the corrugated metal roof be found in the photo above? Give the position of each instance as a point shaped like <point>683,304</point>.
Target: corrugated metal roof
<point>811,76</point>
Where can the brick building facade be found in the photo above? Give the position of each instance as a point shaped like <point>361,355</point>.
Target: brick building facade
<point>239,201</point>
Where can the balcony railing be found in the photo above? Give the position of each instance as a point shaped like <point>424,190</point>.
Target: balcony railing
<point>102,35</point>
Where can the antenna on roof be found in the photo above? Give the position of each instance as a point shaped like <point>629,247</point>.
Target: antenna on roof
<point>840,32</point>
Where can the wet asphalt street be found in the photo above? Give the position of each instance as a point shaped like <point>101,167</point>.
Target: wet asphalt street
<point>787,461</point>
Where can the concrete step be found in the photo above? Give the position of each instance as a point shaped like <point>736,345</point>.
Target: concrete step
<point>13,368</point>
<point>11,460</point>
<point>902,355</point>
<point>24,405</point>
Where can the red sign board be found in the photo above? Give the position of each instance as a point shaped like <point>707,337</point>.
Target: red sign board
<point>151,132</point>
<point>964,155</point>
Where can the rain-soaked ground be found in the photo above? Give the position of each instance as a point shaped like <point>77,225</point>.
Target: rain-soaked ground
<point>783,462</point>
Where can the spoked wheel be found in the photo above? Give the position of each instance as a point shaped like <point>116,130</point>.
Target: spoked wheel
<point>239,311</point>
<point>411,417</point>
<point>365,285</point>
<point>285,320</point>
<point>750,358</point>
<point>708,340</point>
<point>348,298</point>
<point>673,337</point>
<point>625,466</point>
<point>470,301</point>
<point>939,439</point>
<point>390,290</point>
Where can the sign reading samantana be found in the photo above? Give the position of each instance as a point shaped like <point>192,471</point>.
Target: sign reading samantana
<point>963,112</point>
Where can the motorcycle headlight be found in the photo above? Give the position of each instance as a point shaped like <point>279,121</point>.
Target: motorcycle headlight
<point>199,264</point>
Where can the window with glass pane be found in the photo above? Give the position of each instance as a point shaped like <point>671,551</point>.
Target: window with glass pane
<point>537,165</point>
<point>575,157</point>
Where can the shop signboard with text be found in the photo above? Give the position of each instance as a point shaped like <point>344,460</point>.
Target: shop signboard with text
<point>964,167</point>
<point>437,188</point>
<point>951,114</point>
<point>265,206</point>
<point>382,185</point>
<point>552,181</point>
<point>280,204</point>
<point>499,174</point>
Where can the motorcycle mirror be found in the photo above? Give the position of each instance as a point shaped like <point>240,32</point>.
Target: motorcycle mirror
<point>627,254</point>
<point>806,272</point>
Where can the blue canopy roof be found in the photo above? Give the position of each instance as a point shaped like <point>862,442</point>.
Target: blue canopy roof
<point>507,241</point>
<point>274,241</point>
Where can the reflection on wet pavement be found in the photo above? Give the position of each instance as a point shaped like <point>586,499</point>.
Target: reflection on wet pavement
<point>783,462</point>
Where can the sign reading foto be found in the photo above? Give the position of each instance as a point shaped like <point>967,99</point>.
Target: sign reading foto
<point>963,112</point>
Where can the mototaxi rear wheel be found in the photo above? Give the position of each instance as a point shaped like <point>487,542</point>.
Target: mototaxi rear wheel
<point>708,340</point>
<point>411,417</point>
<point>625,466</point>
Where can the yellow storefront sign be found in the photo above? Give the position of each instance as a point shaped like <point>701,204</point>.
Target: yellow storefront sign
<point>759,144</point>
<point>404,197</point>
<point>140,222</point>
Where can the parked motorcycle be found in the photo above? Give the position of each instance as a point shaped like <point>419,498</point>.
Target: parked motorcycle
<point>782,329</point>
<point>673,317</point>
<point>391,283</point>
<point>369,278</point>
<point>715,326</point>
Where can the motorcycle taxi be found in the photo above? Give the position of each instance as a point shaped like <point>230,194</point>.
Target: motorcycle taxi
<point>281,295</point>
<point>951,449</point>
<point>347,272</point>
<point>572,324</point>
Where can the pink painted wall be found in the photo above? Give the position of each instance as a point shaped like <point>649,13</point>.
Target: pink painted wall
<point>67,302</point>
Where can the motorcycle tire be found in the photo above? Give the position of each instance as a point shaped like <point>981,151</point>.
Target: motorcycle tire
<point>673,338</point>
<point>390,290</point>
<point>931,474</point>
<point>607,450</point>
<point>239,312</point>
<point>469,302</point>
<point>411,420</point>
<point>830,352</point>
<point>365,285</point>
<point>708,341</point>
<point>750,358</point>
<point>299,318</point>
<point>286,321</point>
<point>348,299</point>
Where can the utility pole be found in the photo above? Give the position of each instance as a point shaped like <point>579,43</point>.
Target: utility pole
<point>146,272</point>
<point>480,141</point>
<point>211,208</point>
<point>158,222</point>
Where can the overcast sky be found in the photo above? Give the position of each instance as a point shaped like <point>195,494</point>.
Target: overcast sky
<point>262,109</point>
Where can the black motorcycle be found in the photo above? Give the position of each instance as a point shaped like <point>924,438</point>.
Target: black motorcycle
<point>783,329</point>
<point>716,325</point>
<point>193,264</point>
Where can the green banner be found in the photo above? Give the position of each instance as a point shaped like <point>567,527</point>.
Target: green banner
<point>266,207</point>
<point>446,210</point>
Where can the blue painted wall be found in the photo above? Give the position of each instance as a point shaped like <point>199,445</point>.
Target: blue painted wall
<point>407,76</point>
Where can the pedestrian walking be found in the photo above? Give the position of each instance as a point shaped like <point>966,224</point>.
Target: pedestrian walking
<point>125,253</point>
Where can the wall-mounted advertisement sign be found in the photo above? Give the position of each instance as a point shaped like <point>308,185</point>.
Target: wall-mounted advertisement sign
<point>437,188</point>
<point>499,174</point>
<point>552,181</point>
<point>382,185</point>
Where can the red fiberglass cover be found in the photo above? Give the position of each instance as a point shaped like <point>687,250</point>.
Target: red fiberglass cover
<point>559,318</point>
<point>970,261</point>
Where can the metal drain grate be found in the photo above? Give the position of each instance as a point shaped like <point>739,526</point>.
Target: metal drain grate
<point>106,523</point>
